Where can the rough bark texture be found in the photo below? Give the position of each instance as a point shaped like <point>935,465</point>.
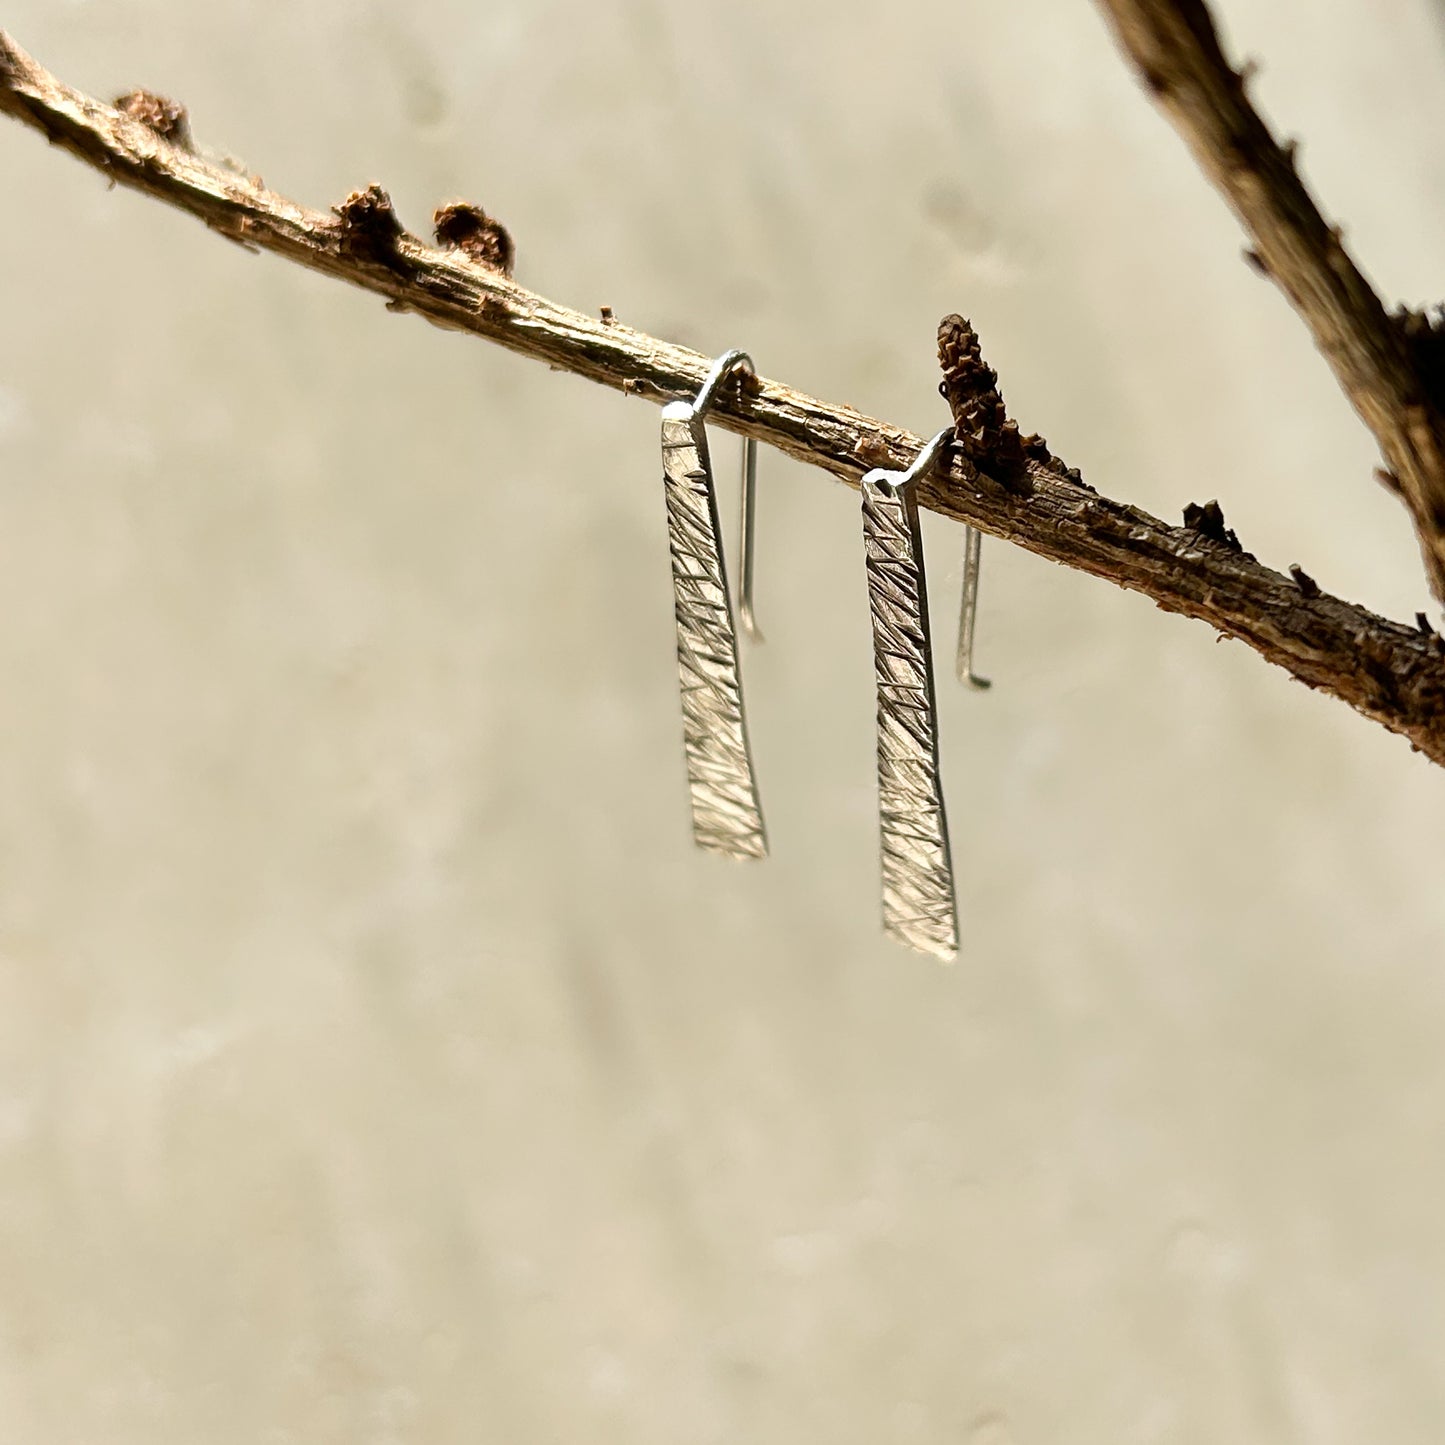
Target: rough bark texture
<point>1389,365</point>
<point>997,480</point>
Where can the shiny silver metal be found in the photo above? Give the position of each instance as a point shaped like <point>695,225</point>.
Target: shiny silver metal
<point>968,609</point>
<point>724,367</point>
<point>919,907</point>
<point>747,531</point>
<point>726,816</point>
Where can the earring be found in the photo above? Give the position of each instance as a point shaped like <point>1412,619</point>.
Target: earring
<point>918,896</point>
<point>968,609</point>
<point>726,817</point>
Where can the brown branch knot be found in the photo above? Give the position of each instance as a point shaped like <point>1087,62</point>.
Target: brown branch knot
<point>166,118</point>
<point>370,229</point>
<point>461,226</point>
<point>1424,336</point>
<point>984,433</point>
<point>1208,521</point>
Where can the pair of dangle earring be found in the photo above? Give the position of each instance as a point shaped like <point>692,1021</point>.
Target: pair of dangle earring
<point>919,907</point>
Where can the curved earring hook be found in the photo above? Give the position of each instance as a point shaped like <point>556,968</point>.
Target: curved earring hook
<point>723,367</point>
<point>748,509</point>
<point>968,610</point>
<point>972,550</point>
<point>925,461</point>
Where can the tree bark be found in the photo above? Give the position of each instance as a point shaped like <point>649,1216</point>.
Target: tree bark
<point>1008,486</point>
<point>1392,367</point>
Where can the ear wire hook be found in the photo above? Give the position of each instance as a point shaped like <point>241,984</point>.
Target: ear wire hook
<point>972,548</point>
<point>749,508</point>
<point>968,611</point>
<point>723,367</point>
<point>924,462</point>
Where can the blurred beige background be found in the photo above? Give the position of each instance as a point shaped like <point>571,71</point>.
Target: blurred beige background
<point>379,1063</point>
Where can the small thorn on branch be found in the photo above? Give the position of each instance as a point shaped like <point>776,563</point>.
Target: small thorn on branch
<point>369,214</point>
<point>1424,335</point>
<point>461,226</point>
<point>370,229</point>
<point>165,118</point>
<point>1307,585</point>
<point>1255,261</point>
<point>1208,521</point>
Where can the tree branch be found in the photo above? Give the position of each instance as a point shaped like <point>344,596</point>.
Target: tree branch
<point>1008,486</point>
<point>1389,366</point>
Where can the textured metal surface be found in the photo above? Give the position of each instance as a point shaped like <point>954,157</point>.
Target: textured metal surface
<point>726,817</point>
<point>918,897</point>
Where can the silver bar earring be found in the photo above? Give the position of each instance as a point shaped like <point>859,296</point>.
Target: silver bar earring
<point>726,817</point>
<point>918,897</point>
<point>968,609</point>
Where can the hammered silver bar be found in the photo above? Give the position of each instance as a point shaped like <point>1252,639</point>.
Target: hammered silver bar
<point>918,896</point>
<point>726,817</point>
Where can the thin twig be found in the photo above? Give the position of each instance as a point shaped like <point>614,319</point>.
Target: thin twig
<point>1389,365</point>
<point>1391,673</point>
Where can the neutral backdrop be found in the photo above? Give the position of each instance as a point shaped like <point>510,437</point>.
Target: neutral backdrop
<point>379,1062</point>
